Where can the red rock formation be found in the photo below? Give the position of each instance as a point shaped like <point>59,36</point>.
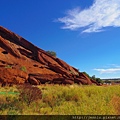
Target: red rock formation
<point>10,75</point>
<point>21,62</point>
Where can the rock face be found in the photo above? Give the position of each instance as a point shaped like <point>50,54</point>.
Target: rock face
<point>22,62</point>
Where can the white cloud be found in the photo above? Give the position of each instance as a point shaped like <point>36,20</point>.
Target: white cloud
<point>109,70</point>
<point>103,13</point>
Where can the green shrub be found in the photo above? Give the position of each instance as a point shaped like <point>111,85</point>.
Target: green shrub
<point>23,68</point>
<point>52,53</point>
<point>8,66</point>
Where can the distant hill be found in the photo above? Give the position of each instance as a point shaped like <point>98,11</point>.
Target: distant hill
<point>112,79</point>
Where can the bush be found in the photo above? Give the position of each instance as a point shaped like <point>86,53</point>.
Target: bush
<point>28,94</point>
<point>99,80</point>
<point>93,78</point>
<point>23,68</point>
<point>8,66</point>
<point>52,53</point>
<point>86,74</point>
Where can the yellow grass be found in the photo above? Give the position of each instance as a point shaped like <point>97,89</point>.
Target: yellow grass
<point>66,100</point>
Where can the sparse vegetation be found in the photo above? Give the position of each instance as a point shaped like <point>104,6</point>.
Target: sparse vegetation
<point>23,68</point>
<point>93,77</point>
<point>74,73</point>
<point>71,72</point>
<point>61,100</point>
<point>52,53</point>
<point>8,66</point>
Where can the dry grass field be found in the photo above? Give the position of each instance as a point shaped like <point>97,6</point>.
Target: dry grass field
<point>61,100</point>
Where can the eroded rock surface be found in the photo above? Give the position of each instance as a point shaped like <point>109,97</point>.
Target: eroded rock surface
<point>22,62</point>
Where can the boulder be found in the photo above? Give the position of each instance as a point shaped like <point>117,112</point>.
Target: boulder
<point>15,76</point>
<point>33,81</point>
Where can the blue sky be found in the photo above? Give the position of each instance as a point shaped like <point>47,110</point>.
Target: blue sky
<point>84,33</point>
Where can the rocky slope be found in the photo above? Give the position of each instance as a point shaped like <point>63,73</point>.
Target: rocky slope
<point>22,62</point>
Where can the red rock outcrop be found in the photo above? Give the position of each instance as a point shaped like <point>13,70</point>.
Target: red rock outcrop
<point>22,62</point>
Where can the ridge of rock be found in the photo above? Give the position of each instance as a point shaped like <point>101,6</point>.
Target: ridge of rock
<point>22,62</point>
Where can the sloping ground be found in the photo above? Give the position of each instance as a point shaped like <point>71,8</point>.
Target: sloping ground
<point>22,62</point>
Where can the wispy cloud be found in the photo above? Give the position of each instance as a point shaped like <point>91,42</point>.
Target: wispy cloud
<point>110,70</point>
<point>113,69</point>
<point>103,13</point>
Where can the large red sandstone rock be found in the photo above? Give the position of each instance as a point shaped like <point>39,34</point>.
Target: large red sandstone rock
<point>14,76</point>
<point>21,62</point>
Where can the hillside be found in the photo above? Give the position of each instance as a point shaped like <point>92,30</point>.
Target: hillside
<point>22,62</point>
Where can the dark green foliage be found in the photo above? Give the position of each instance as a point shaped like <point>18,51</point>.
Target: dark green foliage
<point>93,77</point>
<point>28,94</point>
<point>86,74</point>
<point>96,79</point>
<point>99,80</point>
<point>52,53</point>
